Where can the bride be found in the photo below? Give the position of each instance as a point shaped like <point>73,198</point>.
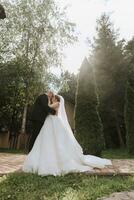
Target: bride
<point>56,151</point>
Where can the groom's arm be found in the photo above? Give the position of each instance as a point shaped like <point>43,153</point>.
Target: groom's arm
<point>44,103</point>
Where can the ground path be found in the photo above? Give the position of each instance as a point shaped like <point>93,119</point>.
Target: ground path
<point>120,196</point>
<point>13,162</point>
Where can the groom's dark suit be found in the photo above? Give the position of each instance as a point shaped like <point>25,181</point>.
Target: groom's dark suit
<point>38,116</point>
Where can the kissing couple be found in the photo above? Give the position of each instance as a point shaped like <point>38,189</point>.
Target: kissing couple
<point>53,149</point>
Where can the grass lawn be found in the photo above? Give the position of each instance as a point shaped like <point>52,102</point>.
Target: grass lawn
<point>117,154</point>
<point>70,187</point>
<point>110,153</point>
<point>6,150</point>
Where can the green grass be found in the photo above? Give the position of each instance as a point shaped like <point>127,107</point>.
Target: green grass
<point>70,187</point>
<point>6,150</point>
<point>117,154</point>
<point>110,153</point>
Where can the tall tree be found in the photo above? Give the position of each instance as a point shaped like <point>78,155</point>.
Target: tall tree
<point>110,70</point>
<point>129,104</point>
<point>87,121</point>
<point>35,32</point>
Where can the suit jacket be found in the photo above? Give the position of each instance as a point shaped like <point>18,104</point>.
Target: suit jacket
<point>41,109</point>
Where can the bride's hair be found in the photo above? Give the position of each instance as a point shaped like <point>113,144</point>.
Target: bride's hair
<point>57,98</point>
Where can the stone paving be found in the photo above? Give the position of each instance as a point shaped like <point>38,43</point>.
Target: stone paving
<point>10,162</point>
<point>13,162</point>
<point>121,167</point>
<point>120,196</point>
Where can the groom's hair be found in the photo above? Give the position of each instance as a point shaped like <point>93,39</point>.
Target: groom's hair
<point>57,98</point>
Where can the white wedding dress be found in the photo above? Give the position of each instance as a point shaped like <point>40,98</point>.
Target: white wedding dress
<point>57,152</point>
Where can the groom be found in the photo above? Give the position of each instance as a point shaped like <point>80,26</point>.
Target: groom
<point>39,114</point>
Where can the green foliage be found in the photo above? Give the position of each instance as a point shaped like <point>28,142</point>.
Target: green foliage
<point>37,30</point>
<point>71,187</point>
<point>129,104</point>
<point>110,73</point>
<point>129,114</point>
<point>69,84</point>
<point>13,79</point>
<point>87,121</point>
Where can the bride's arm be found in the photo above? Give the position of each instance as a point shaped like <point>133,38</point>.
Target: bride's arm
<point>54,105</point>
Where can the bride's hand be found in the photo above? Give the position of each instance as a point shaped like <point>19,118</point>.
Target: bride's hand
<point>55,105</point>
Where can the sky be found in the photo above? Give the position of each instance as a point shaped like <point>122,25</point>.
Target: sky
<point>84,13</point>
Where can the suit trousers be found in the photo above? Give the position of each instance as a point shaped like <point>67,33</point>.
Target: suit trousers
<point>36,127</point>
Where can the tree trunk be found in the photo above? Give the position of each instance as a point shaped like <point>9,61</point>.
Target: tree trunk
<point>121,141</point>
<point>23,127</point>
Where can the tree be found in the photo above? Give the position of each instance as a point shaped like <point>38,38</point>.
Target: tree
<point>110,73</point>
<point>129,104</point>
<point>87,121</point>
<point>34,34</point>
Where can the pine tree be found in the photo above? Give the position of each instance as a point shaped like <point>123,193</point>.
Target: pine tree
<point>87,121</point>
<point>109,66</point>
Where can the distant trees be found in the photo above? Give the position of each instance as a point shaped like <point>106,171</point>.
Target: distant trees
<point>87,121</point>
<point>69,84</point>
